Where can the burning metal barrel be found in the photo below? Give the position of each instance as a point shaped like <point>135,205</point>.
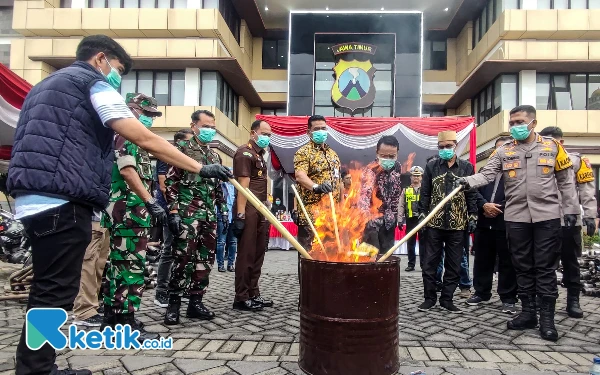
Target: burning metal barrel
<point>349,317</point>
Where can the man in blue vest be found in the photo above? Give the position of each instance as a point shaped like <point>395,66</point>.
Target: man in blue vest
<point>408,210</point>
<point>60,170</point>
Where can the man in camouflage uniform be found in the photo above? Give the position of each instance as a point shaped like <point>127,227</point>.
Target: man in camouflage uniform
<point>192,202</point>
<point>129,217</point>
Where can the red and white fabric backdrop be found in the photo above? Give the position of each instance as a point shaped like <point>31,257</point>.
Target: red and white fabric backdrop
<point>13,90</point>
<point>355,138</point>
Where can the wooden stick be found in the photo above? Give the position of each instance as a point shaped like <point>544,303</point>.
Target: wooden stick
<point>337,232</point>
<point>310,223</point>
<point>440,205</point>
<point>14,297</point>
<point>270,217</point>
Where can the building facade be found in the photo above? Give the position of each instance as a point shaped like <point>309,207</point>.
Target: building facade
<point>239,58</point>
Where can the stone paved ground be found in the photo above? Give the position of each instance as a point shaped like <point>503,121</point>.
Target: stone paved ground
<point>266,343</point>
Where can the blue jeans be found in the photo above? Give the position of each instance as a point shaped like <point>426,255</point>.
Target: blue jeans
<point>225,240</point>
<point>465,280</point>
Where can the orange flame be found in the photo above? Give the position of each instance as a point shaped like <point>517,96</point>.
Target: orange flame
<point>351,221</point>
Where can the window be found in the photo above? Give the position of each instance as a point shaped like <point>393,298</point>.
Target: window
<point>216,92</point>
<point>275,54</point>
<point>273,112</point>
<point>136,4</point>
<point>489,14</point>
<point>167,87</point>
<point>499,95</point>
<point>232,19</point>
<point>434,55</point>
<point>568,91</point>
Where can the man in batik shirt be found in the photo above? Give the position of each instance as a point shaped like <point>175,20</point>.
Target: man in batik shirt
<point>381,179</point>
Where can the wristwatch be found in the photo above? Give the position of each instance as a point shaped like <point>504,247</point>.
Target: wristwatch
<point>241,216</point>
<point>315,186</point>
<point>152,200</point>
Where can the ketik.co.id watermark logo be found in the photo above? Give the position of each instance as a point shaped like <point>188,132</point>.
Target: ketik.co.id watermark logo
<point>42,325</point>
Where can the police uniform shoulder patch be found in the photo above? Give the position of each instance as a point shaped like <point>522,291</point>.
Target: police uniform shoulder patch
<point>585,173</point>
<point>563,161</point>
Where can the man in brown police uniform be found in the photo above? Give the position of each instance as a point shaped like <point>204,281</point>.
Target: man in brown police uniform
<point>249,226</point>
<point>537,172</point>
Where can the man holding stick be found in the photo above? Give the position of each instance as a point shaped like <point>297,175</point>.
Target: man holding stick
<point>537,171</point>
<point>317,169</point>
<point>446,230</point>
<point>249,225</point>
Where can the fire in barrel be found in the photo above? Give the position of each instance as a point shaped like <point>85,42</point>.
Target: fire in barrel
<point>348,303</point>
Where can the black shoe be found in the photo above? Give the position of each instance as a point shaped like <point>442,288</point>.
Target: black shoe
<point>573,308</point>
<point>231,268</point>
<point>130,319</point>
<point>547,328</point>
<point>161,300</point>
<point>222,269</point>
<point>196,309</point>
<point>101,309</point>
<point>262,301</point>
<point>247,305</point>
<point>172,313</point>
<point>426,305</point>
<point>475,300</point>
<point>409,268</point>
<point>527,319</point>
<point>109,319</point>
<point>93,321</point>
<point>509,308</point>
<point>56,371</point>
<point>449,306</point>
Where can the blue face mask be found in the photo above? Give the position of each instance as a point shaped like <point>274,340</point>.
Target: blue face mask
<point>319,136</point>
<point>263,141</point>
<point>520,132</point>
<point>387,164</point>
<point>146,120</point>
<point>113,77</point>
<point>206,135</point>
<point>446,153</point>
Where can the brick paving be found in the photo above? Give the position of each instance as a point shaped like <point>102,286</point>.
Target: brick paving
<point>266,343</point>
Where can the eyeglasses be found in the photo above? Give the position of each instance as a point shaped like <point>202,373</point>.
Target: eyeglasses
<point>448,147</point>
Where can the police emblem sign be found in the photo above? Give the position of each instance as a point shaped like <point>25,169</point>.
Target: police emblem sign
<point>353,87</point>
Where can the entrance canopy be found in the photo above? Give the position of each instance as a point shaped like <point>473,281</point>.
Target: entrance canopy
<point>13,90</point>
<point>355,138</point>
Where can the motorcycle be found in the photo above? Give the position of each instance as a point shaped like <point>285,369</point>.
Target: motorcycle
<point>13,240</point>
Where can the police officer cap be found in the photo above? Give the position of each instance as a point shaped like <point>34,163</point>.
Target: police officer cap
<point>416,171</point>
<point>145,102</point>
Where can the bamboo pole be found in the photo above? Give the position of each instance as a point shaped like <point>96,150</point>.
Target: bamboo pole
<point>14,297</point>
<point>337,232</point>
<point>270,217</point>
<point>310,223</point>
<point>421,224</point>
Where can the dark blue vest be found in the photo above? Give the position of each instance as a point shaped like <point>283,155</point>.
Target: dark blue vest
<point>61,148</point>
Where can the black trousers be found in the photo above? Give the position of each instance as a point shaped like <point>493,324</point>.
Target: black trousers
<point>570,251</point>
<point>59,238</point>
<point>489,244</point>
<point>411,244</point>
<point>438,241</point>
<point>382,238</point>
<point>535,251</point>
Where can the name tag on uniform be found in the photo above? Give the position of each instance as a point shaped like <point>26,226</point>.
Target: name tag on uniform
<point>515,164</point>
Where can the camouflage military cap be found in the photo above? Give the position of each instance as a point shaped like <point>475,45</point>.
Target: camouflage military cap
<point>145,102</point>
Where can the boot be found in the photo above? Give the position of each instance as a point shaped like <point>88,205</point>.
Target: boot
<point>196,309</point>
<point>110,319</point>
<point>130,319</point>
<point>547,328</point>
<point>573,308</point>
<point>172,313</point>
<point>527,318</point>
